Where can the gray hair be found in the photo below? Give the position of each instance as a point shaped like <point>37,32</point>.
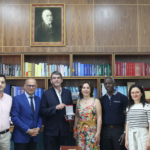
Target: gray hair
<point>57,73</point>
<point>28,79</point>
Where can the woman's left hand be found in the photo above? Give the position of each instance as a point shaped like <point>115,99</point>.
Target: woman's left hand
<point>147,145</point>
<point>97,138</point>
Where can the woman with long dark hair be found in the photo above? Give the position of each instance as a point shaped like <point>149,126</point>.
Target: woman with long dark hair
<point>138,120</point>
<point>88,119</point>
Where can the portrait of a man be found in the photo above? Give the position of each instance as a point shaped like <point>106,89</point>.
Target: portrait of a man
<point>47,25</point>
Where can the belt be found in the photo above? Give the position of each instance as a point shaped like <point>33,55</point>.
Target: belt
<point>4,131</point>
<point>91,123</point>
<point>115,126</point>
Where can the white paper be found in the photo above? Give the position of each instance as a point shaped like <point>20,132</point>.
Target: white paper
<point>69,110</point>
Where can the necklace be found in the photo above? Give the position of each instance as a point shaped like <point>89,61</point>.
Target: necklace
<point>86,100</point>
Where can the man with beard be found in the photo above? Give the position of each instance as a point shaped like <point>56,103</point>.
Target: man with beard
<point>113,116</point>
<point>54,100</point>
<point>47,31</point>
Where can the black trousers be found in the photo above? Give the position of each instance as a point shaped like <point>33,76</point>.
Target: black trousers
<point>110,138</point>
<point>26,146</point>
<point>54,142</point>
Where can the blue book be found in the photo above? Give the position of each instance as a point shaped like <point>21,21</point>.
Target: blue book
<point>40,92</point>
<point>7,89</point>
<point>85,69</point>
<point>95,92</point>
<point>79,69</point>
<point>82,70</point>
<point>94,70</point>
<point>18,88</point>
<point>121,89</point>
<point>125,90</point>
<point>15,91</point>
<point>68,71</point>
<point>36,93</point>
<point>90,70</point>
<point>76,69</point>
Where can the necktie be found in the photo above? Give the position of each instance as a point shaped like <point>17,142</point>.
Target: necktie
<point>32,106</point>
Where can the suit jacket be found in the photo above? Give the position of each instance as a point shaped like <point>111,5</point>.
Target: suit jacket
<point>43,33</point>
<point>55,122</point>
<point>23,118</point>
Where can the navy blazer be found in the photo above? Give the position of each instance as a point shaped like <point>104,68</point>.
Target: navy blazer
<point>55,122</point>
<point>23,118</point>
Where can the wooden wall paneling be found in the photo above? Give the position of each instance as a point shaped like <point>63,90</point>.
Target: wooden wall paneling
<point>1,50</point>
<point>49,59</point>
<point>72,1</point>
<point>115,25</point>
<point>144,49</point>
<point>1,23</point>
<point>144,24</point>
<point>126,49</point>
<point>143,1</point>
<point>24,1</point>
<point>16,25</point>
<point>79,25</point>
<point>115,1</point>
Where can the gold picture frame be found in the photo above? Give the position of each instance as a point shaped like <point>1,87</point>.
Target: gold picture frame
<point>47,25</point>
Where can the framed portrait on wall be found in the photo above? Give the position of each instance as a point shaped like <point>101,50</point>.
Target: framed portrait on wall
<point>47,25</point>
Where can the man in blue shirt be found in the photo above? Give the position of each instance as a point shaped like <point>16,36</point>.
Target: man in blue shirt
<point>113,116</point>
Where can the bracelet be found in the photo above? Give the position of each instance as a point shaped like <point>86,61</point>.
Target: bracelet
<point>75,130</point>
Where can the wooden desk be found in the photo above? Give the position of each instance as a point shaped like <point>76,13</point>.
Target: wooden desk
<point>70,147</point>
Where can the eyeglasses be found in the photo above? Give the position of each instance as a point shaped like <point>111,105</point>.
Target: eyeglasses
<point>134,92</point>
<point>33,86</point>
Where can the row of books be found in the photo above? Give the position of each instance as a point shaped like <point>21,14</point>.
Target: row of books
<point>132,69</point>
<point>80,69</point>
<point>75,92</point>
<point>121,89</point>
<point>9,70</point>
<point>44,69</point>
<point>17,90</point>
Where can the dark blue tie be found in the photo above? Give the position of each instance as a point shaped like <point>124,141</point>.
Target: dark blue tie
<point>32,106</point>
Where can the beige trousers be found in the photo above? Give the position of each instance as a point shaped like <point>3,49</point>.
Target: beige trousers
<point>137,138</point>
<point>5,141</point>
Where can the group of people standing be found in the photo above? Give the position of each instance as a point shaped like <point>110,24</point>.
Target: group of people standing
<point>112,123</point>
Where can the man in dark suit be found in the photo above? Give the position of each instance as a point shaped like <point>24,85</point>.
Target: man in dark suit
<point>47,31</point>
<point>54,100</point>
<point>25,117</point>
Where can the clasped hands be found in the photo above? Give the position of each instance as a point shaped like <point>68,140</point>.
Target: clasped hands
<point>33,132</point>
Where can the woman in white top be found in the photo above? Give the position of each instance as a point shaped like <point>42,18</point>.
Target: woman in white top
<point>138,120</point>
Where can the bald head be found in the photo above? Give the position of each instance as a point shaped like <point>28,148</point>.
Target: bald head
<point>47,16</point>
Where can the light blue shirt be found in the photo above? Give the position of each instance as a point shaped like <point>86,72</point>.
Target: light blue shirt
<point>29,99</point>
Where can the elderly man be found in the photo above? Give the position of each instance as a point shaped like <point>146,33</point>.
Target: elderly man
<point>113,116</point>
<point>25,117</point>
<point>5,107</point>
<point>46,31</point>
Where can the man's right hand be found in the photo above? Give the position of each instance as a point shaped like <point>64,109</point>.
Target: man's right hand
<point>60,106</point>
<point>33,132</point>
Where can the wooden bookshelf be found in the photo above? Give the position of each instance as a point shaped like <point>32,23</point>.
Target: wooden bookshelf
<point>132,57</point>
<point>96,58</point>
<point>57,59</point>
<point>68,59</point>
<point>12,59</point>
